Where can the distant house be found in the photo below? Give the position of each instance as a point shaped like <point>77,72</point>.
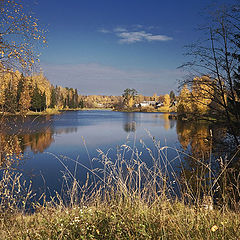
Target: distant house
<point>159,104</point>
<point>146,104</point>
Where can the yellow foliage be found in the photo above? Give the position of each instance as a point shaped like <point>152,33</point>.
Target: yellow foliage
<point>198,100</point>
<point>184,102</point>
<point>167,100</point>
<point>202,93</point>
<point>130,102</point>
<point>18,52</point>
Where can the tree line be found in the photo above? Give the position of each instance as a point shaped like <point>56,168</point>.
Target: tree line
<point>23,93</point>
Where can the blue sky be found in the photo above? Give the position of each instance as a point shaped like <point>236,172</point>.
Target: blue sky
<point>105,46</point>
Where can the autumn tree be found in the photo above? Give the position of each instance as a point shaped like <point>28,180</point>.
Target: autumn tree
<point>20,37</point>
<point>184,106</point>
<point>129,96</point>
<point>214,57</point>
<point>202,94</point>
<point>167,100</point>
<point>24,103</point>
<point>154,97</point>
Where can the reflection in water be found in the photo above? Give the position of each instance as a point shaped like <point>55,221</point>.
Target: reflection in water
<point>130,127</point>
<point>197,136</point>
<point>211,156</point>
<point>13,146</point>
<point>204,142</point>
<point>39,141</point>
<point>17,134</point>
<point>167,122</point>
<point>130,122</point>
<point>66,130</point>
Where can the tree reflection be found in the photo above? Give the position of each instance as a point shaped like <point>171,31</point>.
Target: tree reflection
<point>18,134</point>
<point>208,155</point>
<point>130,127</point>
<point>195,135</point>
<point>130,123</point>
<point>39,141</point>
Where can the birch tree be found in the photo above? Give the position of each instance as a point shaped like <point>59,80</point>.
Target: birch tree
<point>20,37</point>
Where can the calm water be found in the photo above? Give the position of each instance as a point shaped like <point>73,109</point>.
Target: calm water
<point>51,143</point>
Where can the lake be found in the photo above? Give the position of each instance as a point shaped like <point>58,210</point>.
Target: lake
<point>46,148</point>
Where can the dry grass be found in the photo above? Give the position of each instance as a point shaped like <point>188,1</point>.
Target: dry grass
<point>127,199</point>
<point>131,220</point>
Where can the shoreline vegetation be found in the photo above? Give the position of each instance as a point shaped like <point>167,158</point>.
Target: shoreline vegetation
<point>50,111</point>
<point>120,204</point>
<point>53,111</point>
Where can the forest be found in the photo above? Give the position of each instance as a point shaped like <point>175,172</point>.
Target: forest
<point>21,94</point>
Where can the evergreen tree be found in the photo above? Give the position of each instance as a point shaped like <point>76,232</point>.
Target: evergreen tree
<point>43,101</point>
<point>36,102</point>
<point>10,104</point>
<point>81,104</point>
<point>68,100</point>
<point>20,90</point>
<point>53,100</point>
<point>172,96</point>
<point>71,102</point>
<point>65,103</point>
<point>75,97</point>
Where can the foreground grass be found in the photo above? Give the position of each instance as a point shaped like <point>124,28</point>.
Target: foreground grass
<point>129,201</point>
<point>132,220</point>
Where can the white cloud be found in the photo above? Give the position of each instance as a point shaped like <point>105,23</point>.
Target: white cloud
<point>158,38</point>
<point>131,36</point>
<point>100,79</point>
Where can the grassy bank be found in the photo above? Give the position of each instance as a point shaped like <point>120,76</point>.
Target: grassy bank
<point>52,111</point>
<point>48,111</point>
<point>124,220</point>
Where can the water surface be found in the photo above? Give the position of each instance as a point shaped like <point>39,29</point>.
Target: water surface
<point>51,144</point>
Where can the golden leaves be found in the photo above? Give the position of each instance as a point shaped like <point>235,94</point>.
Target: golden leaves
<point>21,35</point>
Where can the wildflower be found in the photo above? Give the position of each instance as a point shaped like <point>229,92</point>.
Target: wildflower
<point>214,228</point>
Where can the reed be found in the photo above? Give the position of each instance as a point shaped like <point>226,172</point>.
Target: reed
<point>128,198</point>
